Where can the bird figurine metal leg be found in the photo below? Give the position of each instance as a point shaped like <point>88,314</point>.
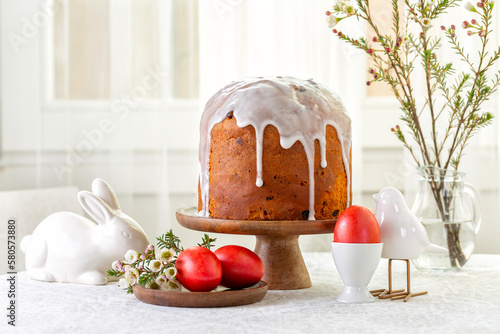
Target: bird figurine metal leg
<point>397,294</point>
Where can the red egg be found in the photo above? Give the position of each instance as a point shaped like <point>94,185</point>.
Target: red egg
<point>241,267</point>
<point>198,269</point>
<point>357,224</point>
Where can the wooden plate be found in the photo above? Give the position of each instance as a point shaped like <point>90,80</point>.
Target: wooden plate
<point>188,218</point>
<point>222,298</point>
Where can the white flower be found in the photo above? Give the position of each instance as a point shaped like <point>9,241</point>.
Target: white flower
<point>431,2</point>
<point>348,8</point>
<point>131,256</point>
<point>331,20</point>
<point>426,22</point>
<point>470,7</point>
<point>170,272</point>
<point>406,39</point>
<point>491,2</point>
<point>152,285</point>
<point>155,265</point>
<point>132,275</point>
<point>123,283</point>
<point>117,265</point>
<point>172,285</point>
<point>161,280</point>
<point>165,255</point>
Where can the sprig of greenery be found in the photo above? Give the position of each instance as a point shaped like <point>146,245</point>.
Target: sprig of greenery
<point>114,273</point>
<point>148,267</point>
<point>207,242</point>
<point>170,241</point>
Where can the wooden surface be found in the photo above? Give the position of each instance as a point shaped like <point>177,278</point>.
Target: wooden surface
<point>202,299</point>
<point>277,243</point>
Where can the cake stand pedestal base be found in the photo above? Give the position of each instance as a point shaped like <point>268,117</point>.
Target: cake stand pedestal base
<point>284,265</point>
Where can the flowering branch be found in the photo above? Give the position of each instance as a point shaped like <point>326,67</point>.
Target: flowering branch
<point>155,267</point>
<point>393,56</point>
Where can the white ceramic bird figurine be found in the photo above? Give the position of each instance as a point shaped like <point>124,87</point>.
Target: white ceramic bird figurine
<point>404,237</point>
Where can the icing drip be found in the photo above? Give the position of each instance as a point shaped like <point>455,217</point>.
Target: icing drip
<point>300,110</point>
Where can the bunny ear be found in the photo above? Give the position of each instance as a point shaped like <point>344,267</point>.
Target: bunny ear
<point>95,207</point>
<point>104,191</point>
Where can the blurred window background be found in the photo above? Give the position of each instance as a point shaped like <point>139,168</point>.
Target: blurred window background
<point>115,89</point>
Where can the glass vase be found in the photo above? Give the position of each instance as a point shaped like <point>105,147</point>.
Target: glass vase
<point>450,211</point>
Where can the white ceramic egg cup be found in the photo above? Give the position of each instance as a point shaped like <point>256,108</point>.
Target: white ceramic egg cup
<point>356,264</point>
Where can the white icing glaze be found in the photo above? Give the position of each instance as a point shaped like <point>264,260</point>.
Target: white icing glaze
<point>299,109</point>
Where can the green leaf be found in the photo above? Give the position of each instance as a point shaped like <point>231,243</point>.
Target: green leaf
<point>170,241</point>
<point>114,273</point>
<point>207,242</point>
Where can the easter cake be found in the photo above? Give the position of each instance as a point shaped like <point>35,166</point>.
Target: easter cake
<point>276,148</point>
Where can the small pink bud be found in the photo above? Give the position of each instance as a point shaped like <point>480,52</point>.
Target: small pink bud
<point>400,39</point>
<point>334,31</point>
<point>453,35</point>
<point>397,45</point>
<point>473,21</point>
<point>480,4</point>
<point>443,28</point>
<point>392,129</point>
<point>374,39</point>
<point>469,33</point>
<point>387,50</point>
<point>375,76</point>
<point>370,51</point>
<point>452,27</point>
<point>482,33</point>
<point>328,13</point>
<point>372,71</point>
<point>368,83</point>
<point>340,34</point>
<point>465,24</point>
<point>397,127</point>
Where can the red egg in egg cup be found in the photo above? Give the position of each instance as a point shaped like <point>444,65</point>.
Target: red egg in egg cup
<point>356,250</point>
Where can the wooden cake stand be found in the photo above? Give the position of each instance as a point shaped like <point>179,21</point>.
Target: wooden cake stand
<point>277,243</point>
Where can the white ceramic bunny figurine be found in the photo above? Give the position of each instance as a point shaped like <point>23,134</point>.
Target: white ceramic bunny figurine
<point>66,247</point>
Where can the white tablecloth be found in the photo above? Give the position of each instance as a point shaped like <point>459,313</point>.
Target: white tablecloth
<point>467,301</point>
